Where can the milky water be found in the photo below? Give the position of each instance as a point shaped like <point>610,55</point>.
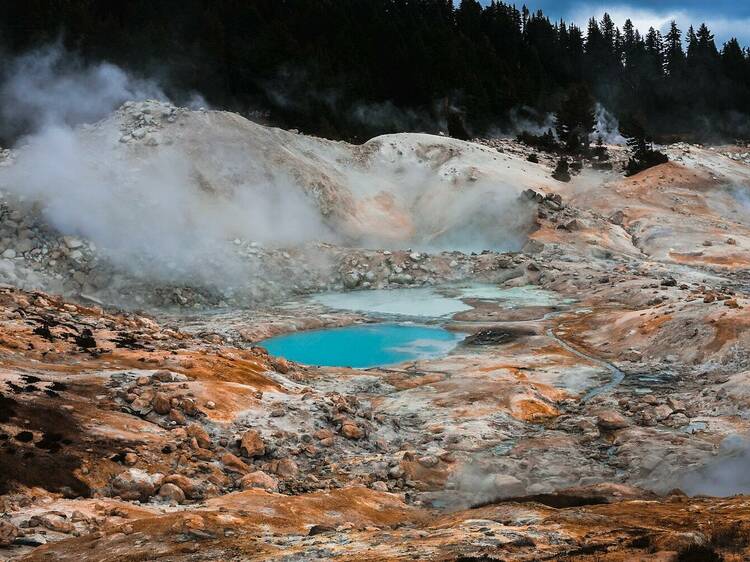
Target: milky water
<point>362,346</point>
<point>430,302</point>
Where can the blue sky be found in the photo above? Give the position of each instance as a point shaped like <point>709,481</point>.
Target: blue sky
<point>726,18</point>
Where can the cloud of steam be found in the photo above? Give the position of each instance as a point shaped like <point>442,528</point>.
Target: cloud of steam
<point>527,120</point>
<point>725,476</point>
<point>171,210</point>
<point>607,127</point>
<point>52,87</point>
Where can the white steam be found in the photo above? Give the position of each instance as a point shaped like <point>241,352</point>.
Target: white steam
<point>165,193</point>
<point>607,127</point>
<point>50,86</point>
<point>725,476</point>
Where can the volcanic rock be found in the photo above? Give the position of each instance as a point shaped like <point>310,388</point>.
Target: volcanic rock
<point>8,532</point>
<point>259,479</point>
<point>609,420</point>
<point>172,493</point>
<point>252,444</point>
<point>133,484</point>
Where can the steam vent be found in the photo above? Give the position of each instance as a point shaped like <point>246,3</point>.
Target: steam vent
<point>375,281</point>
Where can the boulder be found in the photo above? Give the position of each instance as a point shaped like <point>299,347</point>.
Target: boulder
<point>56,523</point>
<point>252,444</point>
<point>351,430</point>
<point>162,404</point>
<point>172,493</point>
<point>192,489</point>
<point>8,533</point>
<point>285,467</point>
<point>200,435</point>
<point>259,479</point>
<point>234,463</point>
<point>133,484</point>
<point>609,420</point>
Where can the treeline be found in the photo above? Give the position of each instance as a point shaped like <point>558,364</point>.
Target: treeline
<point>354,68</point>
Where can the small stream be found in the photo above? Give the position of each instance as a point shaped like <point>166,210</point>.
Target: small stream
<point>617,374</point>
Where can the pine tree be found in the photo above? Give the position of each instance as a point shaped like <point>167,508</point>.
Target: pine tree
<point>575,120</point>
<point>673,53</point>
<point>642,153</point>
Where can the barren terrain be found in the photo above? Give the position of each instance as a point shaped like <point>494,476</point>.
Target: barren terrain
<point>595,411</point>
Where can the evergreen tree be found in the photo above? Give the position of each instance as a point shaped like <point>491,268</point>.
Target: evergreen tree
<point>674,55</point>
<point>575,119</point>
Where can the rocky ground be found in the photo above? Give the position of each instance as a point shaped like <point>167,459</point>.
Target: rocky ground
<point>607,423</point>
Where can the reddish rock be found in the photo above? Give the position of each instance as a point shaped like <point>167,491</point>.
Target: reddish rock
<point>609,420</point>
<point>199,434</point>
<point>234,463</point>
<point>172,493</point>
<point>8,533</point>
<point>259,479</point>
<point>322,434</point>
<point>351,430</point>
<point>162,404</point>
<point>285,467</point>
<point>191,488</point>
<point>177,417</point>
<point>252,444</point>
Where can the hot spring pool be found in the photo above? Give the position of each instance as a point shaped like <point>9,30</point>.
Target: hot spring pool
<point>371,345</point>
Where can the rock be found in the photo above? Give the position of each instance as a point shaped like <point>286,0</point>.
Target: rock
<point>351,280</point>
<point>609,420</point>
<point>34,540</point>
<point>141,405</point>
<point>617,218</point>
<point>573,225</point>
<point>677,420</point>
<point>234,464</point>
<point>252,444</point>
<point>130,459</point>
<point>285,467</point>
<point>172,493</point>
<point>133,484</point>
<point>162,404</point>
<point>428,461</point>
<point>177,417</point>
<point>676,404</point>
<point>9,254</point>
<point>351,430</point>
<point>379,486</point>
<point>662,412</point>
<point>320,529</point>
<point>322,434</point>
<point>56,523</point>
<point>200,435</point>
<point>191,488</point>
<point>259,479</point>
<point>8,532</point>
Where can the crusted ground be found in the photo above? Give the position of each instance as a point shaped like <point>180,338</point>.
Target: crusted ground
<point>603,422</point>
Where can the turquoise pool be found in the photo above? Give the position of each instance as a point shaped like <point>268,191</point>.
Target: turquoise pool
<point>362,346</point>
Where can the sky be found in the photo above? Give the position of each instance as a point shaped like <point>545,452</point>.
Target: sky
<point>725,18</point>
